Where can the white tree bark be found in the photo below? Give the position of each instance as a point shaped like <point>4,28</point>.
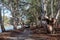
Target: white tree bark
<point>57,14</point>
<point>52,8</point>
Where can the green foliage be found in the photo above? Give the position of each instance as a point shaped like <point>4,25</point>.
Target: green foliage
<point>35,9</point>
<point>30,17</point>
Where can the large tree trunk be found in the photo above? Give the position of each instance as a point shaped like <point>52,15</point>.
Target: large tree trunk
<point>44,9</point>
<point>1,22</point>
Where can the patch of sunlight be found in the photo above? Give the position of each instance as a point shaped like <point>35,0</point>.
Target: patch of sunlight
<point>19,26</point>
<point>9,27</point>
